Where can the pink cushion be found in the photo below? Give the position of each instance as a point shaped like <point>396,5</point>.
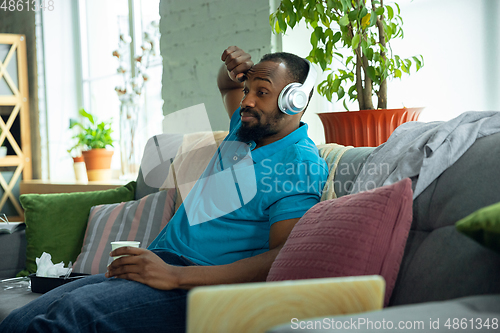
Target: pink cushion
<point>360,234</point>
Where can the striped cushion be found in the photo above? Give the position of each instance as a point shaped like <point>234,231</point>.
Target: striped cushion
<point>139,220</point>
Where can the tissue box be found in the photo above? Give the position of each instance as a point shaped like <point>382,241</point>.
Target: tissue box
<point>41,284</point>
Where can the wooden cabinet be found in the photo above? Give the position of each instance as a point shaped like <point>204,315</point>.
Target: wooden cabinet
<point>14,122</point>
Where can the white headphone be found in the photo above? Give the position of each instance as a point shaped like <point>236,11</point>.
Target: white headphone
<point>295,96</point>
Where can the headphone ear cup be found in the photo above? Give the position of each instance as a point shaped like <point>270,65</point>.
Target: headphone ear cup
<point>290,102</point>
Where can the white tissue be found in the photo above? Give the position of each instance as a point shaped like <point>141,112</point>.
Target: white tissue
<point>45,267</point>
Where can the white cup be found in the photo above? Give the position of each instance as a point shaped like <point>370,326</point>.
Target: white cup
<point>116,245</point>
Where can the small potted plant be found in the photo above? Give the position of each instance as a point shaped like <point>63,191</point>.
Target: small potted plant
<point>94,139</point>
<point>365,28</point>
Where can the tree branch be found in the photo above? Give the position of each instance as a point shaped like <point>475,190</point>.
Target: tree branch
<point>382,93</point>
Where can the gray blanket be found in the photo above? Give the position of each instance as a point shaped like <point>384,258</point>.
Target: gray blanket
<point>422,151</point>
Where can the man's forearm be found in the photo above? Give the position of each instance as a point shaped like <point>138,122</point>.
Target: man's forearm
<point>251,269</point>
<point>225,83</point>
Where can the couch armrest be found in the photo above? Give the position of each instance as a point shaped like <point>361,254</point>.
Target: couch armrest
<point>255,307</point>
<point>13,250</point>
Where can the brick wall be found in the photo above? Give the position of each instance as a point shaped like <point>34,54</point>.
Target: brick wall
<point>194,33</point>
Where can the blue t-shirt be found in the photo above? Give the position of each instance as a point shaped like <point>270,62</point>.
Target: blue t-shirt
<point>228,214</point>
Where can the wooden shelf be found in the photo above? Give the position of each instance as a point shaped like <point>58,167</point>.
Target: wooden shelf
<point>14,120</point>
<point>11,161</point>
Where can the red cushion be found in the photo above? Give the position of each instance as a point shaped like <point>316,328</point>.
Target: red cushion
<point>360,234</point>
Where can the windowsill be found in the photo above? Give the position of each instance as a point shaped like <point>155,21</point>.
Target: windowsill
<point>46,186</point>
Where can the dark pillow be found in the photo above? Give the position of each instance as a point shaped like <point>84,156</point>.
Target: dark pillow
<point>360,234</point>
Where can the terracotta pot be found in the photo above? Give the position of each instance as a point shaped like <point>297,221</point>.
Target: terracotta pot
<point>78,159</point>
<point>365,128</point>
<point>98,163</point>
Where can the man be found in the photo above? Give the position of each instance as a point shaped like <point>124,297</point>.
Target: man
<point>146,290</point>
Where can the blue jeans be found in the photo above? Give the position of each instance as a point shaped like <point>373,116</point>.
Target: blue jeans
<point>98,304</point>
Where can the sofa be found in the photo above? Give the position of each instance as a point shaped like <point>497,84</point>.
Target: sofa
<point>443,275</point>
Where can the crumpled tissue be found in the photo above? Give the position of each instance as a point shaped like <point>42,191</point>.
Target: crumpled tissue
<point>45,267</point>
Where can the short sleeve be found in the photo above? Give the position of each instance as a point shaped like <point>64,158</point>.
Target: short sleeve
<point>302,185</point>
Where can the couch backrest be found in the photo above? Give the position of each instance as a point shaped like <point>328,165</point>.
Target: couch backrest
<point>440,263</point>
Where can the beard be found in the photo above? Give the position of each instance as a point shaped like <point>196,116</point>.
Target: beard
<point>259,131</point>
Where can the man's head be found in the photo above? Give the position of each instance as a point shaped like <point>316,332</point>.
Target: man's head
<point>262,121</point>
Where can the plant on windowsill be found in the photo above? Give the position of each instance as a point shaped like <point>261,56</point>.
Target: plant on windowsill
<point>93,139</point>
<point>365,28</point>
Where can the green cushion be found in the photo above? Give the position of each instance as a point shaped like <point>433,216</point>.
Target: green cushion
<point>483,226</point>
<point>56,223</point>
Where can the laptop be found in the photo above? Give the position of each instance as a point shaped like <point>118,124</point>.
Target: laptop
<point>257,307</point>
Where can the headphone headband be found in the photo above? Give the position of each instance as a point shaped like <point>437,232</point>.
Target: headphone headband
<point>294,97</point>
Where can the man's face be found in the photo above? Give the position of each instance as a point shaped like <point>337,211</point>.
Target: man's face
<point>260,114</point>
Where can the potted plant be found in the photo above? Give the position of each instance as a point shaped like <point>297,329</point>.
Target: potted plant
<point>93,138</point>
<point>365,28</point>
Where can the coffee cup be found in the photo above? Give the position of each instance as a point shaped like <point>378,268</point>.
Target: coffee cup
<point>118,244</point>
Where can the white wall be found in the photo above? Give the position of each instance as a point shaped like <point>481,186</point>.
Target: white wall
<point>194,34</point>
<point>460,42</point>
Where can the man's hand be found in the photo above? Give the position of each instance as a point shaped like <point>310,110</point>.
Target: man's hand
<point>145,267</point>
<point>237,62</point>
<point>231,75</point>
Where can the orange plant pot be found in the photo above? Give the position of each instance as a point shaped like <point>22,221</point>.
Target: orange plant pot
<point>96,159</point>
<point>365,128</point>
<point>98,164</point>
<point>78,159</point>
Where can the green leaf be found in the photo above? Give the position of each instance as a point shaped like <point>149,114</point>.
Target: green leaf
<point>353,15</point>
<point>314,40</point>
<point>281,23</point>
<point>336,37</point>
<point>345,105</point>
<point>379,11</point>
<point>371,72</point>
<point>369,53</point>
<point>288,6</point>
<point>351,91</point>
<point>336,85</point>
<point>373,20</point>
<point>390,12</point>
<point>87,115</point>
<point>292,19</point>
<point>399,9</point>
<point>338,54</point>
<point>355,41</point>
<point>363,12</point>
<point>344,20</point>
<point>397,73</point>
<point>340,93</point>
<point>319,33</point>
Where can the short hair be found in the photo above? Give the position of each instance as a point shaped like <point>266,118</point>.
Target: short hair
<point>297,67</point>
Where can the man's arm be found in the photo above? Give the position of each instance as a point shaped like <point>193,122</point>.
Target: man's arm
<point>145,267</point>
<point>231,75</point>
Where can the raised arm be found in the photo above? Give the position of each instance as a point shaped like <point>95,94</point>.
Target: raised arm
<point>231,75</point>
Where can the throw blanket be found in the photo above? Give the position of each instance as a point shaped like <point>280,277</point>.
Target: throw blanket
<point>331,153</point>
<point>422,151</point>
